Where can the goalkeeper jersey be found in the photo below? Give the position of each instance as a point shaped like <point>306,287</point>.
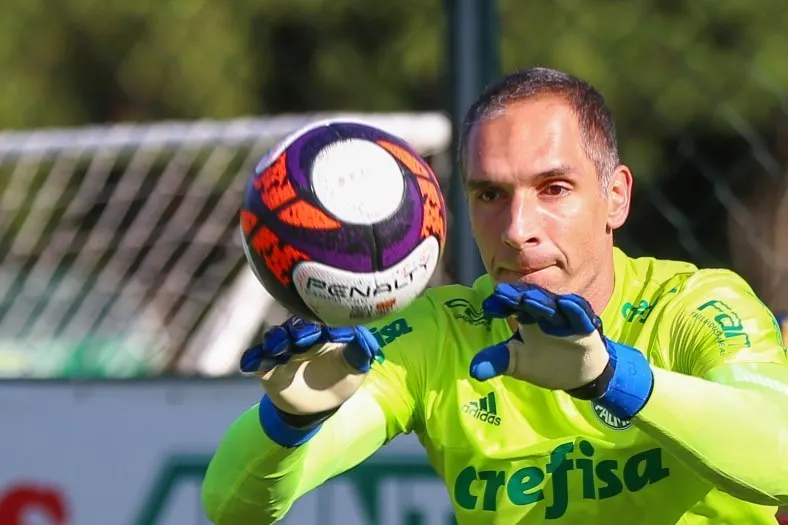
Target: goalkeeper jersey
<point>513,453</point>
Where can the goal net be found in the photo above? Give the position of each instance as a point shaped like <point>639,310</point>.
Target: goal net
<point>120,251</point>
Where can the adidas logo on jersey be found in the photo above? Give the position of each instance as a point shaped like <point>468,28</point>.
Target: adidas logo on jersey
<point>484,409</point>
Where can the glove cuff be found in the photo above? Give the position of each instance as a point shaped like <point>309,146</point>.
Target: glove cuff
<point>278,430</point>
<point>630,386</point>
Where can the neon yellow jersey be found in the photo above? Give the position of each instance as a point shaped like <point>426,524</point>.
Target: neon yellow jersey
<point>513,453</point>
<point>510,452</point>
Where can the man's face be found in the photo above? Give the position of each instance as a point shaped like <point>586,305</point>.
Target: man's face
<point>538,210</point>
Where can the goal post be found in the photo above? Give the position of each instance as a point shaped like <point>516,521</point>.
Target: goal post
<point>120,252</point>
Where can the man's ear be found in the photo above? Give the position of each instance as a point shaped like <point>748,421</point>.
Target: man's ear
<point>619,197</point>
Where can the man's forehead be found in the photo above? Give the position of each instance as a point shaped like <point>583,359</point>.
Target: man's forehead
<point>516,138</point>
<point>537,117</point>
<point>526,144</point>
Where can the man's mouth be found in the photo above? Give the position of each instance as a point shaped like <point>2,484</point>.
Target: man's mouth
<point>519,274</point>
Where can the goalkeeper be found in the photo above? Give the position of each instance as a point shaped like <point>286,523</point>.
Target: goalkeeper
<point>571,384</point>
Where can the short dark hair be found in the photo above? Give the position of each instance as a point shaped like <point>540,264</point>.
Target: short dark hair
<point>596,120</point>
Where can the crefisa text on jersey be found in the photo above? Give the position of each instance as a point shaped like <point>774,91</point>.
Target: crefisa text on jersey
<point>597,479</point>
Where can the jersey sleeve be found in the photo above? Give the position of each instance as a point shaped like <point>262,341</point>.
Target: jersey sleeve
<point>718,319</point>
<point>408,339</point>
<point>723,408</point>
<point>252,479</point>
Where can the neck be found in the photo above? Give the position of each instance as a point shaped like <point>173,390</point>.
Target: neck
<point>599,291</point>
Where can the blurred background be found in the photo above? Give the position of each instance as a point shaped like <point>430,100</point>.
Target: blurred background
<point>128,130</point>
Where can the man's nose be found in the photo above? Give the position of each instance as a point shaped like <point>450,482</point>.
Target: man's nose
<point>523,226</point>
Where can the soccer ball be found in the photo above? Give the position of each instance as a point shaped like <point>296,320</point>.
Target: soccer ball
<point>343,223</point>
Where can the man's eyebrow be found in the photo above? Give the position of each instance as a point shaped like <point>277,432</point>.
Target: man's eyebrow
<point>478,184</point>
<point>560,171</point>
<point>481,182</point>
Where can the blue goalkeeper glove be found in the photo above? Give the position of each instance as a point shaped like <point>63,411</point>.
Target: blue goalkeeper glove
<point>308,368</point>
<point>560,345</point>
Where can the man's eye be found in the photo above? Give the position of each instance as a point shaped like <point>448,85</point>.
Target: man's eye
<point>556,190</point>
<point>488,195</point>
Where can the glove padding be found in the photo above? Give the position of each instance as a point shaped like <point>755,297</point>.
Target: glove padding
<point>308,368</point>
<point>559,343</point>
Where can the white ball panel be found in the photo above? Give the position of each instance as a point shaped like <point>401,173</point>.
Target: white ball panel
<point>342,298</point>
<point>357,181</point>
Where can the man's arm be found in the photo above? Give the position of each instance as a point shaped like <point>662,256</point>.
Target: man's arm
<point>252,479</point>
<point>723,406</point>
<point>264,463</point>
<point>725,410</point>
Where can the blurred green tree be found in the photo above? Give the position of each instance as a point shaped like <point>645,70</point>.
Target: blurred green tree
<point>695,87</point>
<point>84,61</point>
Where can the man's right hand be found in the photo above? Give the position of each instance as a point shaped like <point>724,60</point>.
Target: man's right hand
<point>308,368</point>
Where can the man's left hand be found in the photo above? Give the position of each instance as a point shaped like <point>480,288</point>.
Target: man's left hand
<point>558,345</point>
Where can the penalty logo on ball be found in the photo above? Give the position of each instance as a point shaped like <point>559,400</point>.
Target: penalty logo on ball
<point>367,295</point>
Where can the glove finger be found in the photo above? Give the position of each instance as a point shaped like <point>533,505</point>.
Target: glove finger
<point>540,302</point>
<point>543,308</point>
<point>276,342</point>
<point>369,342</point>
<point>490,362</point>
<point>255,360</point>
<point>504,302</point>
<point>362,350</point>
<point>538,309</point>
<point>511,292</point>
<point>251,359</point>
<point>303,334</point>
<point>339,334</point>
<point>498,309</point>
<point>279,343</point>
<point>579,314</point>
<point>272,351</point>
<point>542,305</point>
<point>496,306</point>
